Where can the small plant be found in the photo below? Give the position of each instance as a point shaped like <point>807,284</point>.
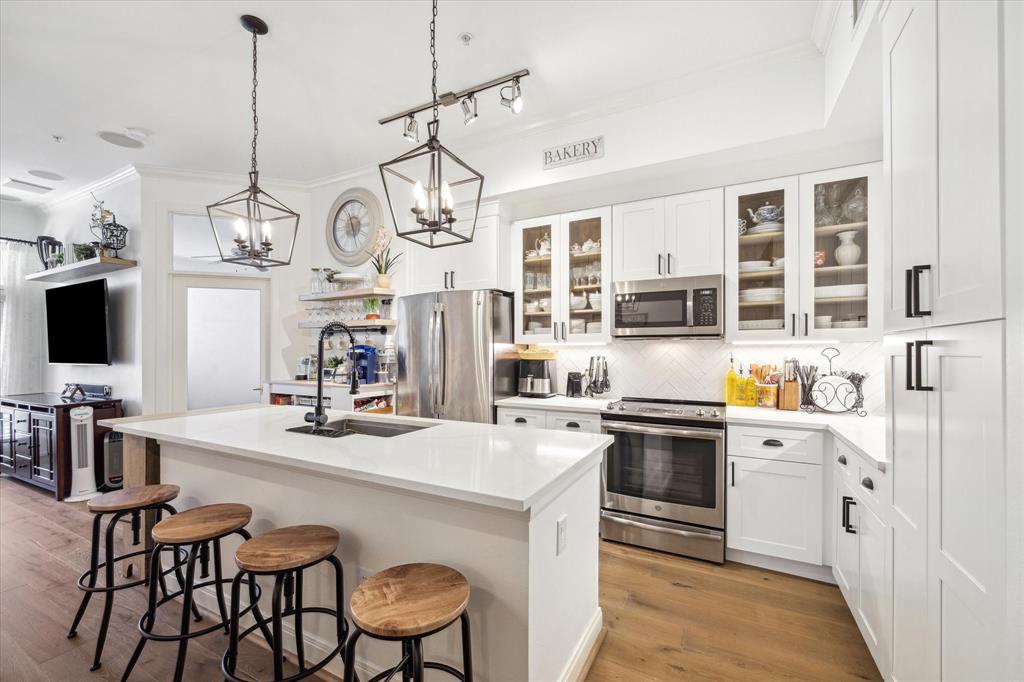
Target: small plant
<point>334,362</point>
<point>383,262</point>
<point>372,308</point>
<point>329,274</point>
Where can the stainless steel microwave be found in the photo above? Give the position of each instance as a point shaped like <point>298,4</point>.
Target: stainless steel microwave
<point>679,307</point>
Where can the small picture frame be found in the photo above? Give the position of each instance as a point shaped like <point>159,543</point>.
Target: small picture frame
<point>327,374</point>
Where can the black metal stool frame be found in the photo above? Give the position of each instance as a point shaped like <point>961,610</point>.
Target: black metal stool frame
<point>284,584</point>
<point>108,564</point>
<point>412,665</point>
<point>198,551</point>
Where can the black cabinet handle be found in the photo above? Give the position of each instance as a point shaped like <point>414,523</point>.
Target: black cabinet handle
<point>446,279</point>
<point>453,279</point>
<point>868,483</point>
<point>910,366</point>
<point>908,293</point>
<point>806,325</point>
<point>668,262</point>
<point>572,425</point>
<point>659,263</point>
<point>917,270</point>
<point>919,386</point>
<point>520,420</point>
<point>842,459</point>
<point>772,443</point>
<point>847,503</point>
<point>793,321</point>
<point>732,471</point>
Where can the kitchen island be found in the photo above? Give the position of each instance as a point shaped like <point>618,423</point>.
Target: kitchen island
<point>486,500</point>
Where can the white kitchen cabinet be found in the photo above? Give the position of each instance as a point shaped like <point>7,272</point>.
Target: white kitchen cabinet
<point>872,594</point>
<point>773,507</point>
<point>945,221</point>
<point>463,266</point>
<point>576,422</point>
<point>845,559</point>
<point>529,419</point>
<point>676,236</point>
<point>561,273</point>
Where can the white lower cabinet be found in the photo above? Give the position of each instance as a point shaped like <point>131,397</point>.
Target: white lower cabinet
<point>774,508</point>
<point>559,420</point>
<point>532,419</point>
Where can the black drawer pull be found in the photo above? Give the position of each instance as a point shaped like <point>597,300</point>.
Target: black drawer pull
<point>842,459</point>
<point>520,420</point>
<point>772,443</point>
<point>572,425</point>
<point>847,503</point>
<point>868,483</point>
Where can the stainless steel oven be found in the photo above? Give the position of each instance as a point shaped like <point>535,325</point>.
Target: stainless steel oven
<point>663,479</point>
<point>679,306</point>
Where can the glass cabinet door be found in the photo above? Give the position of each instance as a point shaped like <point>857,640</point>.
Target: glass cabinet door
<point>585,253</point>
<point>837,268</point>
<point>534,273</point>
<point>762,243</point>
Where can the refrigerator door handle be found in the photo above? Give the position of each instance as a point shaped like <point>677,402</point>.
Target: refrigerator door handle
<point>442,349</point>
<point>432,357</point>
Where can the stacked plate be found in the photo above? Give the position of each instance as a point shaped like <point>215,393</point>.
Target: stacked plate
<point>841,291</point>
<point>748,265</point>
<point>762,294</point>
<point>765,228</point>
<point>850,324</point>
<point>761,324</point>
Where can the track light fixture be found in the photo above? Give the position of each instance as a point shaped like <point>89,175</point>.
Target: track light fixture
<point>411,129</point>
<point>469,115</point>
<point>515,99</point>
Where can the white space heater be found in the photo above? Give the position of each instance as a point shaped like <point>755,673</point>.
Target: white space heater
<point>83,456</point>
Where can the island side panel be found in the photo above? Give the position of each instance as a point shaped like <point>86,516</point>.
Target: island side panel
<point>565,616</point>
<point>141,462</point>
<point>379,527</point>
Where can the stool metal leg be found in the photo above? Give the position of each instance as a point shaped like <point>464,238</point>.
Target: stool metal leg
<point>416,654</point>
<point>232,657</point>
<point>339,600</point>
<point>148,618</point>
<point>177,568</point>
<point>93,563</point>
<point>350,656</point>
<point>108,603</point>
<point>276,617</point>
<point>190,574</point>
<point>257,614</point>
<point>218,575</point>
<point>300,642</point>
<point>467,649</point>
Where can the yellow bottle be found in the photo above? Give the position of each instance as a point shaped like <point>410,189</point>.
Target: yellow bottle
<point>730,384</point>
<point>751,390</point>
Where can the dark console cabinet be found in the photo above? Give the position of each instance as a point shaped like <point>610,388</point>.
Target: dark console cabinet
<point>36,438</point>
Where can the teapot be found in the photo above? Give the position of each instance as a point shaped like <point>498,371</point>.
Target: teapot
<point>766,214</point>
<point>543,245</point>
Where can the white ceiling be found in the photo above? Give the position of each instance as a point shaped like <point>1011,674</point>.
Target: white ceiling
<point>329,70</point>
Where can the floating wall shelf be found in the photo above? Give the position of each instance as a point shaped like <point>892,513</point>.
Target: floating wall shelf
<point>99,265</point>
<point>349,294</point>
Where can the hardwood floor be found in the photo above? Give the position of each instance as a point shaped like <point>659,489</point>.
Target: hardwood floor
<point>667,618</point>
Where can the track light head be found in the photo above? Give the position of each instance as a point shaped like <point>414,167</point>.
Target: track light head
<point>411,129</point>
<point>469,112</point>
<point>514,101</point>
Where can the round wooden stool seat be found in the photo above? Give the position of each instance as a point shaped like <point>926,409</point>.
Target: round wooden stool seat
<point>409,600</point>
<point>136,497</point>
<point>202,523</point>
<point>284,549</point>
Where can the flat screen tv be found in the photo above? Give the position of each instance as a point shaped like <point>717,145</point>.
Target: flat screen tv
<point>78,324</point>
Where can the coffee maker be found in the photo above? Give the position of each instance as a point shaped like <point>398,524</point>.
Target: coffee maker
<point>537,378</point>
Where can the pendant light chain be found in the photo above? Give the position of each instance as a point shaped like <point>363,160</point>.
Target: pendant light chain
<point>433,57</point>
<point>255,118</point>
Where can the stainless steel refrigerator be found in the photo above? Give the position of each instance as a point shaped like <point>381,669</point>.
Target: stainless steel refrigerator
<point>455,354</point>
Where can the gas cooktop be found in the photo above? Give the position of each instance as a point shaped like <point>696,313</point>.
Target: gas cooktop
<point>665,409</point>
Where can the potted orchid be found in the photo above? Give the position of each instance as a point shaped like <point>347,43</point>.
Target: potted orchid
<point>383,262</point>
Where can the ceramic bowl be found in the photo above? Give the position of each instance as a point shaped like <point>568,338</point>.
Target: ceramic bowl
<point>823,322</point>
<point>577,302</point>
<point>595,301</point>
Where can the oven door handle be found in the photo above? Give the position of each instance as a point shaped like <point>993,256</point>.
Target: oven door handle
<point>660,529</point>
<point>705,434</point>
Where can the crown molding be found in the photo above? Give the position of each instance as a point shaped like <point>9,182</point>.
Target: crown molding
<point>241,179</point>
<point>825,17</point>
<point>118,177</point>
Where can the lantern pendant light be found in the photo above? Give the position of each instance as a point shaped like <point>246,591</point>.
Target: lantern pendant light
<point>251,227</point>
<point>423,185</point>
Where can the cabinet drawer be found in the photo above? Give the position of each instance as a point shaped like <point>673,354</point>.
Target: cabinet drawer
<point>21,421</point>
<point>788,445</point>
<point>845,460</point>
<point>532,419</point>
<point>583,422</point>
<point>872,486</point>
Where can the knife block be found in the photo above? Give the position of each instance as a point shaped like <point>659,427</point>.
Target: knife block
<point>789,396</point>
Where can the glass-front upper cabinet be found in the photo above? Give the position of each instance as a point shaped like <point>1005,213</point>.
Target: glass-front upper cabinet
<point>840,273</point>
<point>762,235</point>
<point>561,270</point>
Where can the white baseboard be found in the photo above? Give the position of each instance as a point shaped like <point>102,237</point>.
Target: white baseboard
<point>798,568</point>
<point>591,636</point>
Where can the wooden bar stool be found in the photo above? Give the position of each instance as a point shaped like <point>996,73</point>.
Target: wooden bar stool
<point>407,603</point>
<point>116,505</point>
<point>285,553</point>
<point>198,529</point>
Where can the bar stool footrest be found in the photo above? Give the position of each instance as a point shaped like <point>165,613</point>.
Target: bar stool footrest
<point>305,672</point>
<point>177,637</point>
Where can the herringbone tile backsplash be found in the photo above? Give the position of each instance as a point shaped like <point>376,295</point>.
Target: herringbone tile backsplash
<point>695,369</point>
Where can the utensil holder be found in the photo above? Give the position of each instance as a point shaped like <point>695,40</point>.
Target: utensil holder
<point>789,396</point>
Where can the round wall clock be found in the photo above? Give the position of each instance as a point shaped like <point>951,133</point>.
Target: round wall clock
<point>352,226</point>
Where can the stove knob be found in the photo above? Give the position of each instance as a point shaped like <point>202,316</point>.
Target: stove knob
<point>622,407</point>
<point>700,412</point>
<point>715,413</point>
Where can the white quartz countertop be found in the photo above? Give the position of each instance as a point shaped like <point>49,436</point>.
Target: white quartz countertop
<point>558,402</point>
<point>866,435</point>
<point>497,466</point>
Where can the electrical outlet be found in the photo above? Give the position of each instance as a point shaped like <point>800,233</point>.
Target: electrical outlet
<point>560,535</point>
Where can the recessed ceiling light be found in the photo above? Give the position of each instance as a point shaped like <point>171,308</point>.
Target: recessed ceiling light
<point>121,139</point>
<point>9,197</point>
<point>46,175</point>
<point>465,38</point>
<point>58,138</point>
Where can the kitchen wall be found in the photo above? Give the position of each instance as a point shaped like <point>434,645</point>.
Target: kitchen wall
<point>20,221</point>
<point>696,369</point>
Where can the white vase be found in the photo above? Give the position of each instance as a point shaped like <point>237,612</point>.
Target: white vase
<point>384,280</point>
<point>847,253</point>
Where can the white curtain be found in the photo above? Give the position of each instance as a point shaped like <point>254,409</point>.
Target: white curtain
<point>21,320</point>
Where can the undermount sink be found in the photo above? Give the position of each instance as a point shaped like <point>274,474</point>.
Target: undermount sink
<point>349,426</point>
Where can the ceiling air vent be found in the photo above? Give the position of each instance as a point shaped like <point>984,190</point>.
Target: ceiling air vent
<point>27,186</point>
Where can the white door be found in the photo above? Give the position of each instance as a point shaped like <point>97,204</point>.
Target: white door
<point>967,531</point>
<point>872,595</point>
<point>429,269</point>
<point>774,508</point>
<point>910,134</point>
<point>585,275</point>
<point>762,275</point>
<point>536,278</point>
<point>638,235</point>
<point>846,562</point>
<point>221,340</point>
<point>475,265</point>
<point>965,282</point>
<point>693,233</point>
<point>841,228</point>
<point>907,452</point>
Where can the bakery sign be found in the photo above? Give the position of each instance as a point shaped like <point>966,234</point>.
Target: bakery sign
<point>574,152</point>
